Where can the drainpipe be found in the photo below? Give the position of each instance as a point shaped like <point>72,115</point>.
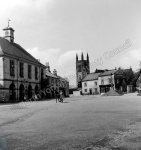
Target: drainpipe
<point>17,79</point>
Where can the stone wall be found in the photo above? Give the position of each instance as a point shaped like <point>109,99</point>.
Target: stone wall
<point>7,80</point>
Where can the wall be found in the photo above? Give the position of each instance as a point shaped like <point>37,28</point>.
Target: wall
<point>1,71</point>
<point>90,85</point>
<point>17,80</point>
<point>106,80</point>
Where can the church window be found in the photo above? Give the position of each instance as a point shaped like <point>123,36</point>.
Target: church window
<point>79,68</point>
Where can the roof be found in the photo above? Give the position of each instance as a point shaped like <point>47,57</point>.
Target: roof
<point>62,78</point>
<point>137,75</point>
<point>109,72</point>
<point>49,74</point>
<point>9,28</point>
<point>91,76</point>
<point>126,71</point>
<point>16,51</point>
<point>99,71</point>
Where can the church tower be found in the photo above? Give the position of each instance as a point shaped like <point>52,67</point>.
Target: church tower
<point>82,69</point>
<point>9,33</point>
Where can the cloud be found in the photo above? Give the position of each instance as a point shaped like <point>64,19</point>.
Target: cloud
<point>7,5</point>
<point>67,65</point>
<point>63,62</point>
<point>23,11</point>
<point>69,56</point>
<point>67,61</point>
<point>131,58</point>
<point>50,55</point>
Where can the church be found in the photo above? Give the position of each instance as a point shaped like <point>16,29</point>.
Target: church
<point>101,81</point>
<point>82,69</point>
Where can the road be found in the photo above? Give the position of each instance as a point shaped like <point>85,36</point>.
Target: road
<point>80,123</point>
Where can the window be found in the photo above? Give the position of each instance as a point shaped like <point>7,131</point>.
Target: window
<point>85,84</point>
<point>102,81</point>
<point>110,80</point>
<point>42,73</point>
<point>29,71</point>
<point>85,90</point>
<point>36,73</point>
<point>95,83</point>
<point>79,77</point>
<point>12,68</point>
<point>21,69</point>
<point>102,90</point>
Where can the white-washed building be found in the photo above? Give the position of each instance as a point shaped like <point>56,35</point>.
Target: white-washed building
<point>90,84</point>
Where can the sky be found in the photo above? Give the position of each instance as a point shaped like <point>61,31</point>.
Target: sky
<point>55,30</point>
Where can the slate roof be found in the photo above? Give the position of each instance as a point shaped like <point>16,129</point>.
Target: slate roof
<point>49,74</point>
<point>91,76</point>
<point>62,78</point>
<point>16,51</point>
<point>99,71</point>
<point>109,72</point>
<point>126,71</point>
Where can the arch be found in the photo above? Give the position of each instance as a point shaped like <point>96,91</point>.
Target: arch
<point>29,91</point>
<point>12,92</point>
<point>21,92</point>
<point>36,89</point>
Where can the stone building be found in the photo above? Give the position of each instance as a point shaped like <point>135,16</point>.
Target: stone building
<point>64,86</point>
<point>51,83</point>
<point>82,69</point>
<point>54,82</point>
<point>21,75</point>
<point>119,79</point>
<point>106,81</point>
<point>124,80</point>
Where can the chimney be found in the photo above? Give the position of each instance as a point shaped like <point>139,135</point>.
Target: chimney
<point>55,72</point>
<point>47,67</point>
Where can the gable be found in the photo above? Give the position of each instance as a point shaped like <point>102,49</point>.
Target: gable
<point>119,73</point>
<point>15,50</point>
<point>1,52</point>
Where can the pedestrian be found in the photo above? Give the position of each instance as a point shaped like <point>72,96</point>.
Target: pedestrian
<point>57,95</point>
<point>61,96</point>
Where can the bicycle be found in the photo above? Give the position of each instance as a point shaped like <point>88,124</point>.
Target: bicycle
<point>62,98</point>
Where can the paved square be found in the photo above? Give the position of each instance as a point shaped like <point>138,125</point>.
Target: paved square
<point>84,122</point>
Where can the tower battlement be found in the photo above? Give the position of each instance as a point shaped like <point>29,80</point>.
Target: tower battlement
<point>82,69</point>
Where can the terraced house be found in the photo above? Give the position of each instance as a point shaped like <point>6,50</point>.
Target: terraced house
<point>21,75</point>
<point>53,83</point>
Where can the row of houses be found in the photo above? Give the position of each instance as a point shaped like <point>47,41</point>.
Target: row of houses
<point>22,76</point>
<point>101,81</point>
